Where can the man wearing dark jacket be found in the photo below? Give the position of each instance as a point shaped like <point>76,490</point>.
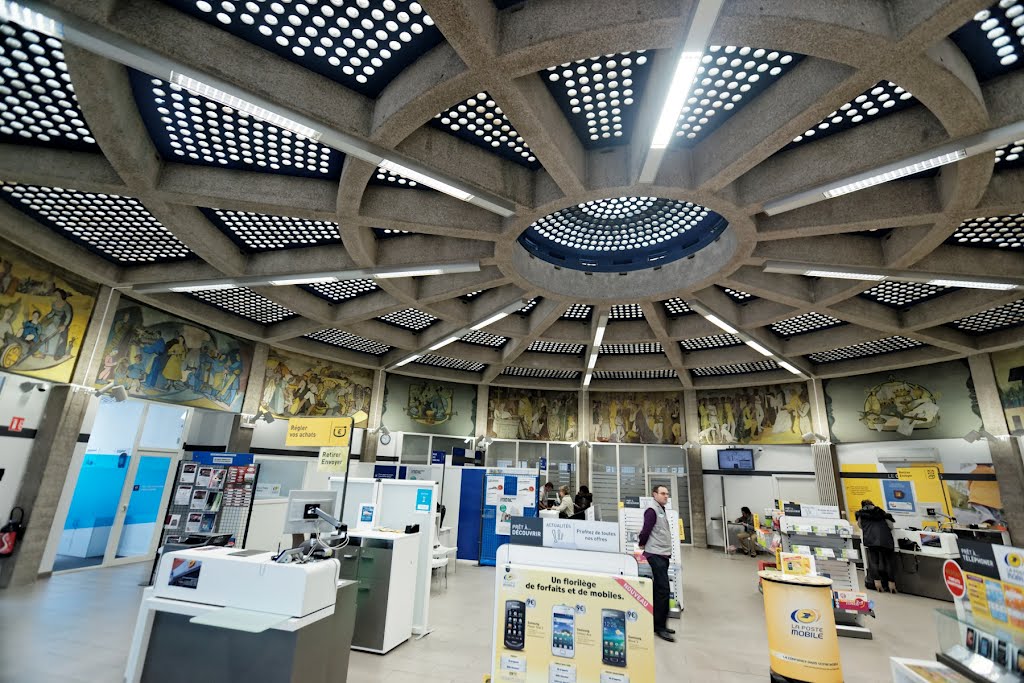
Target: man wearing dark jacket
<point>656,542</point>
<point>876,537</point>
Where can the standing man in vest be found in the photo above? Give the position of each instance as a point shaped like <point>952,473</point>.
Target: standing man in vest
<point>656,543</point>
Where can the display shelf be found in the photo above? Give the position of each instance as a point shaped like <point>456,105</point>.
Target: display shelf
<point>982,650</point>
<point>923,671</point>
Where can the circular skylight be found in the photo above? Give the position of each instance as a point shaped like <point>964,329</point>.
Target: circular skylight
<point>622,233</point>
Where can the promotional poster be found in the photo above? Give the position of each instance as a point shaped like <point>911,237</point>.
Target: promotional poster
<point>559,626</point>
<point>802,638</point>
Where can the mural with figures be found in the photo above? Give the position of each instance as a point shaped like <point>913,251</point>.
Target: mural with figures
<point>429,406</point>
<point>771,414</point>
<point>297,385</point>
<point>43,317</point>
<point>1009,371</point>
<point>929,402</point>
<point>635,418</point>
<point>161,357</point>
<point>532,414</point>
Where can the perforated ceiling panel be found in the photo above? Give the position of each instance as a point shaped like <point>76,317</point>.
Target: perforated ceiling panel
<point>484,339</point>
<point>626,312</point>
<point>714,341</point>
<point>386,178</point>
<point>472,295</point>
<point>452,363</point>
<point>998,318</point>
<point>344,290</point>
<point>556,347</point>
<point>256,232</point>
<point>119,229</point>
<point>903,294</point>
<point>246,303</point>
<point>676,307</point>
<point>728,77</point>
<point>577,312</point>
<point>738,295</point>
<point>540,372</point>
<point>736,369</point>
<point>993,41</point>
<point>802,324</point>
<point>635,374</point>
<point>37,99</point>
<point>409,319</point>
<point>388,233</point>
<point>347,340</point>
<point>883,98</point>
<point>362,44</point>
<point>599,95</point>
<point>1011,156</point>
<point>480,121</point>
<point>871,348</point>
<point>528,307</point>
<point>644,347</point>
<point>193,129</point>
<point>993,232</point>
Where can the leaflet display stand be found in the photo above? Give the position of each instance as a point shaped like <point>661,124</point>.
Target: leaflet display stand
<point>631,521</point>
<point>830,542</point>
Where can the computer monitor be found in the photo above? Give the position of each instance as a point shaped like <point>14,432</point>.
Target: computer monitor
<point>300,517</point>
<point>736,459</point>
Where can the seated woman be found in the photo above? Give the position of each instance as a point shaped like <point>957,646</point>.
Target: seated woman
<point>565,508</point>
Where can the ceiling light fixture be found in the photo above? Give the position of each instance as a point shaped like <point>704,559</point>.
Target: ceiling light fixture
<point>586,379</point>
<point>718,322</point>
<point>600,325</point>
<point>206,286</point>
<point>790,367</point>
<point>443,343</point>
<point>303,280</point>
<point>439,185</point>
<point>30,19</point>
<point>878,275</point>
<point>757,347</point>
<point>938,156</point>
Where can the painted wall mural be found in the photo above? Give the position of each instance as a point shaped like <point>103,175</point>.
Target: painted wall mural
<point>429,406</point>
<point>770,414</point>
<point>929,402</point>
<point>161,357</point>
<point>43,318</point>
<point>532,414</point>
<point>1009,370</point>
<point>635,417</point>
<point>297,385</point>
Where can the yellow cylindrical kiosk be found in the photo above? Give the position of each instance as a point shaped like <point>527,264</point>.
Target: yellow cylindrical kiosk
<point>802,640</point>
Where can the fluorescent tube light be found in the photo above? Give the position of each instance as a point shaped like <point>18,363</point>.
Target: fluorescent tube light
<point>438,185</point>
<point>599,335</point>
<point>718,322</point>
<point>200,88</point>
<point>30,19</point>
<point>302,280</point>
<point>205,287</point>
<point>443,342</point>
<point>406,361</point>
<point>443,269</point>
<point>783,364</point>
<point>757,347</point>
<point>490,321</point>
<point>678,93</point>
<point>839,275</point>
<point>973,284</point>
<point>586,379</point>
<point>593,361</point>
<point>901,172</point>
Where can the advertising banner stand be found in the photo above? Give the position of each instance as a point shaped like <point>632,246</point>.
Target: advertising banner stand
<point>802,641</point>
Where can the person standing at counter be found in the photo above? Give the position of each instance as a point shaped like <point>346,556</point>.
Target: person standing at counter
<point>656,543</point>
<point>876,536</point>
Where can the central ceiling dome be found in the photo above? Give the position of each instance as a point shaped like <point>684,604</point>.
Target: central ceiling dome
<point>622,233</point>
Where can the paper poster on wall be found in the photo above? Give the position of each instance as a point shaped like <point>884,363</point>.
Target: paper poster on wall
<point>424,498</point>
<point>508,507</point>
<point>495,485</point>
<point>419,473</point>
<point>571,627</point>
<point>899,495</point>
<point>526,491</point>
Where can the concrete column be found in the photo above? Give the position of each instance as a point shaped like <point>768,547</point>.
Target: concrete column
<point>819,414</point>
<point>483,392</point>
<point>694,470</point>
<point>826,462</point>
<point>91,351</point>
<point>240,439</point>
<point>1005,450</point>
<point>583,434</point>
<point>43,482</point>
<point>376,418</point>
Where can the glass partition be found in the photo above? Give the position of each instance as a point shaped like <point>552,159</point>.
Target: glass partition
<point>530,453</point>
<point>562,465</point>
<point>501,454</point>
<point>415,449</point>
<point>604,480</point>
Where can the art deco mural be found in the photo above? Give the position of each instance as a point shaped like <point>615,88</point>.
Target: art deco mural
<point>429,406</point>
<point>929,402</point>
<point>297,385</point>
<point>1009,370</point>
<point>771,414</point>
<point>635,417</point>
<point>532,414</point>
<point>161,357</point>
<point>43,318</point>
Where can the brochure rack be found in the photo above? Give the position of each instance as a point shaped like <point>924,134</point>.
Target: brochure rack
<point>830,542</point>
<point>631,521</point>
<point>211,497</point>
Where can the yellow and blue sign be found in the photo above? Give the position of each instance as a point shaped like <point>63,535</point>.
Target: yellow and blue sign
<point>319,431</point>
<point>802,638</point>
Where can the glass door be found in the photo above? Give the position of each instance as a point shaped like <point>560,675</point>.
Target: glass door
<point>139,528</point>
<point>94,505</point>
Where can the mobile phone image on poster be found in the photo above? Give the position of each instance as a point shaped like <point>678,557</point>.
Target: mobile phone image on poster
<point>183,494</point>
<point>188,473</point>
<point>198,499</point>
<point>217,478</point>
<point>172,521</point>
<point>193,521</point>
<point>207,522</point>
<point>203,476</point>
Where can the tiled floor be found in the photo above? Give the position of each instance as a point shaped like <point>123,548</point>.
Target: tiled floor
<point>75,628</point>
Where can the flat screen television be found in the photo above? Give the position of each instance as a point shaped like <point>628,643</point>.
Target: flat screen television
<point>736,459</point>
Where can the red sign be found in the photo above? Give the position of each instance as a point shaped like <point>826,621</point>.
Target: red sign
<point>16,424</point>
<point>954,578</point>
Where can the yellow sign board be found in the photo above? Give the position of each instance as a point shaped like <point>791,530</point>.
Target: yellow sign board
<point>333,459</point>
<point>319,431</point>
<point>802,640</point>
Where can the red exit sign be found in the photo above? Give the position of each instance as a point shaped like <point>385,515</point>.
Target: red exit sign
<point>17,423</point>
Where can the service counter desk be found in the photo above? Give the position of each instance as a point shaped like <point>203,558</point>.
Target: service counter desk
<point>919,572</point>
<point>224,614</point>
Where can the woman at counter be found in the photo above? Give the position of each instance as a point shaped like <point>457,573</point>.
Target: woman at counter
<point>876,536</point>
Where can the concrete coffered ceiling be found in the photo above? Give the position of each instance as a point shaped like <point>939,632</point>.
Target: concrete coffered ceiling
<point>128,180</point>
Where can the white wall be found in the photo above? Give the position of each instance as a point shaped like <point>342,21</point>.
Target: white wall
<point>209,428</point>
